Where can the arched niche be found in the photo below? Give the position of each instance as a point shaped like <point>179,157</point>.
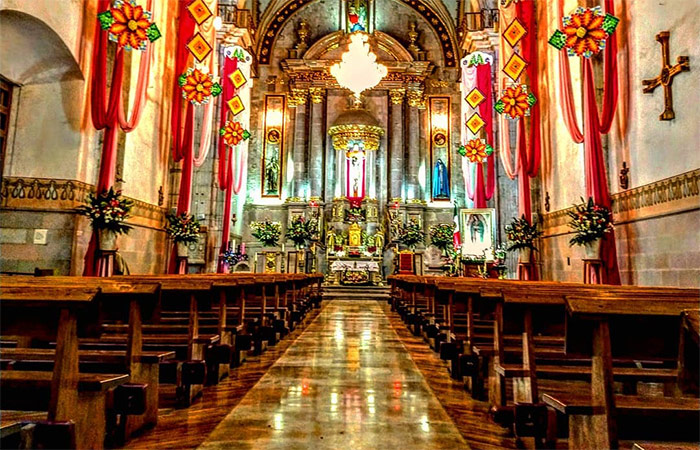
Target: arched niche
<point>32,53</point>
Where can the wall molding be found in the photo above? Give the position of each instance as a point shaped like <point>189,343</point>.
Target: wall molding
<point>673,195</point>
<point>64,196</point>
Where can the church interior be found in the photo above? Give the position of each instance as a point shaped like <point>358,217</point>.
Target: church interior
<point>324,224</point>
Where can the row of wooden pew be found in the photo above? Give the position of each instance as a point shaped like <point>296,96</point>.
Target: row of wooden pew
<point>84,360</point>
<point>595,364</point>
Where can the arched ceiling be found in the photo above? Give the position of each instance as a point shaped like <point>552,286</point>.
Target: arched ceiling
<point>432,11</point>
<point>32,53</point>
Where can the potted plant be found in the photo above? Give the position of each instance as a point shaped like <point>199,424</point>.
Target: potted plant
<point>267,232</point>
<point>589,222</point>
<point>183,229</point>
<point>442,236</point>
<point>107,212</point>
<point>411,234</point>
<point>298,231</point>
<point>521,235</point>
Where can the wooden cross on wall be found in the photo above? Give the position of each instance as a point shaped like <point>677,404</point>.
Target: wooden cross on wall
<point>665,78</point>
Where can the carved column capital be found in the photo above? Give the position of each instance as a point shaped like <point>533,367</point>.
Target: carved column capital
<point>416,98</point>
<point>298,97</point>
<point>317,94</point>
<point>397,95</point>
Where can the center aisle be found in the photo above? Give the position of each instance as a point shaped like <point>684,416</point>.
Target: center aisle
<point>347,382</point>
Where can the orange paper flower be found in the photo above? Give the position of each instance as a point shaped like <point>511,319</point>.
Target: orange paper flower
<point>515,102</point>
<point>130,25</point>
<point>233,133</point>
<point>475,150</point>
<point>584,32</point>
<point>196,86</point>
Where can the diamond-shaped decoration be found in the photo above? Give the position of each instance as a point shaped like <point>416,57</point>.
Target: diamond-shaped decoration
<point>515,31</point>
<point>216,90</point>
<point>199,47</point>
<point>238,79</point>
<point>236,105</point>
<point>531,99</point>
<point>200,11</point>
<point>558,40</point>
<point>475,97</point>
<point>153,32</point>
<point>475,123</point>
<point>514,67</point>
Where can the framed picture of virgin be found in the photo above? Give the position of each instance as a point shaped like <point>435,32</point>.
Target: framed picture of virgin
<point>477,228</point>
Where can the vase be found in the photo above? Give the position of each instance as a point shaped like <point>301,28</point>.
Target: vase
<point>592,249</point>
<point>524,255</point>
<point>182,249</point>
<point>108,239</point>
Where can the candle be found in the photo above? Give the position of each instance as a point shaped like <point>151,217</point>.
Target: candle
<point>243,248</point>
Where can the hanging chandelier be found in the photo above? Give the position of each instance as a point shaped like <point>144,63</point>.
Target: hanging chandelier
<point>358,69</point>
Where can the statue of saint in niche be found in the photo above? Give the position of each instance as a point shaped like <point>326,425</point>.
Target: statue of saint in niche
<point>357,15</point>
<point>271,170</point>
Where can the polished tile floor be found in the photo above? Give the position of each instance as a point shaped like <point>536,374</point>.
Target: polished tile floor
<point>347,382</point>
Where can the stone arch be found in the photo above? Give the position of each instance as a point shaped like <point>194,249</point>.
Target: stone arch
<point>280,11</point>
<point>32,52</point>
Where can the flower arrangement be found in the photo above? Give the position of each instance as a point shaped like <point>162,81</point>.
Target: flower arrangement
<point>442,235</point>
<point>267,232</point>
<point>521,234</point>
<point>232,257</point>
<point>355,277</point>
<point>298,231</point>
<point>411,234</point>
<point>589,222</point>
<point>476,150</point>
<point>107,211</point>
<point>354,214</point>
<point>182,227</point>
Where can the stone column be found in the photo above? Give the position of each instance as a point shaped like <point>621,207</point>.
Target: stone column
<point>415,100</point>
<point>297,100</point>
<point>316,141</point>
<point>396,146</point>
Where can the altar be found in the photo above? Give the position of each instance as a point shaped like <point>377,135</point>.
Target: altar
<point>356,272</point>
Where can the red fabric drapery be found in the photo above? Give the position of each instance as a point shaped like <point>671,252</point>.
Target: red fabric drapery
<point>112,116</point>
<point>594,126</point>
<point>484,189</point>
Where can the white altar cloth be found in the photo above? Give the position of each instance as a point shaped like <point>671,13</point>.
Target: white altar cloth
<point>354,266</point>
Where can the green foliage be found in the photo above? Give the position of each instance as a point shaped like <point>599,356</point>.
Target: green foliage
<point>182,228</point>
<point>521,234</point>
<point>298,230</point>
<point>442,235</point>
<point>107,211</point>
<point>411,234</point>
<point>589,222</point>
<point>267,232</point>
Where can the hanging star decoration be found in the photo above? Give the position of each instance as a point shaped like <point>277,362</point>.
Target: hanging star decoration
<point>129,25</point>
<point>198,86</point>
<point>585,32</point>
<point>476,150</point>
<point>515,101</point>
<point>233,133</point>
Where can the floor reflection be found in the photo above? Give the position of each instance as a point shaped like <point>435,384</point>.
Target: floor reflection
<point>347,382</point>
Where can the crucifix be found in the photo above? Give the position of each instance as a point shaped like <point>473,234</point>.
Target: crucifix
<point>665,78</point>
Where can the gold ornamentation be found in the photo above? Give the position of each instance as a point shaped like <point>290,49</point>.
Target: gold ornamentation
<point>343,134</point>
<point>317,94</point>
<point>412,38</point>
<point>303,35</point>
<point>665,79</point>
<point>397,96</point>
<point>416,99</point>
<point>297,97</point>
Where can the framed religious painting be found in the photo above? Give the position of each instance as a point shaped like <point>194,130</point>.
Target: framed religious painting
<point>477,228</point>
<point>439,118</point>
<point>273,146</point>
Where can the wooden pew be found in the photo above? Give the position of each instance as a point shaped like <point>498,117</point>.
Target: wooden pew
<point>619,326</point>
<point>66,313</point>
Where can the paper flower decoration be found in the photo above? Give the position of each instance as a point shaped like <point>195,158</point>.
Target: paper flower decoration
<point>476,150</point>
<point>233,133</point>
<point>515,102</point>
<point>584,32</point>
<point>129,25</point>
<point>198,87</point>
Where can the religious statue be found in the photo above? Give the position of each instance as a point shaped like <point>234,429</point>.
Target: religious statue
<point>271,168</point>
<point>331,239</point>
<point>441,183</point>
<point>355,188</point>
<point>379,238</point>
